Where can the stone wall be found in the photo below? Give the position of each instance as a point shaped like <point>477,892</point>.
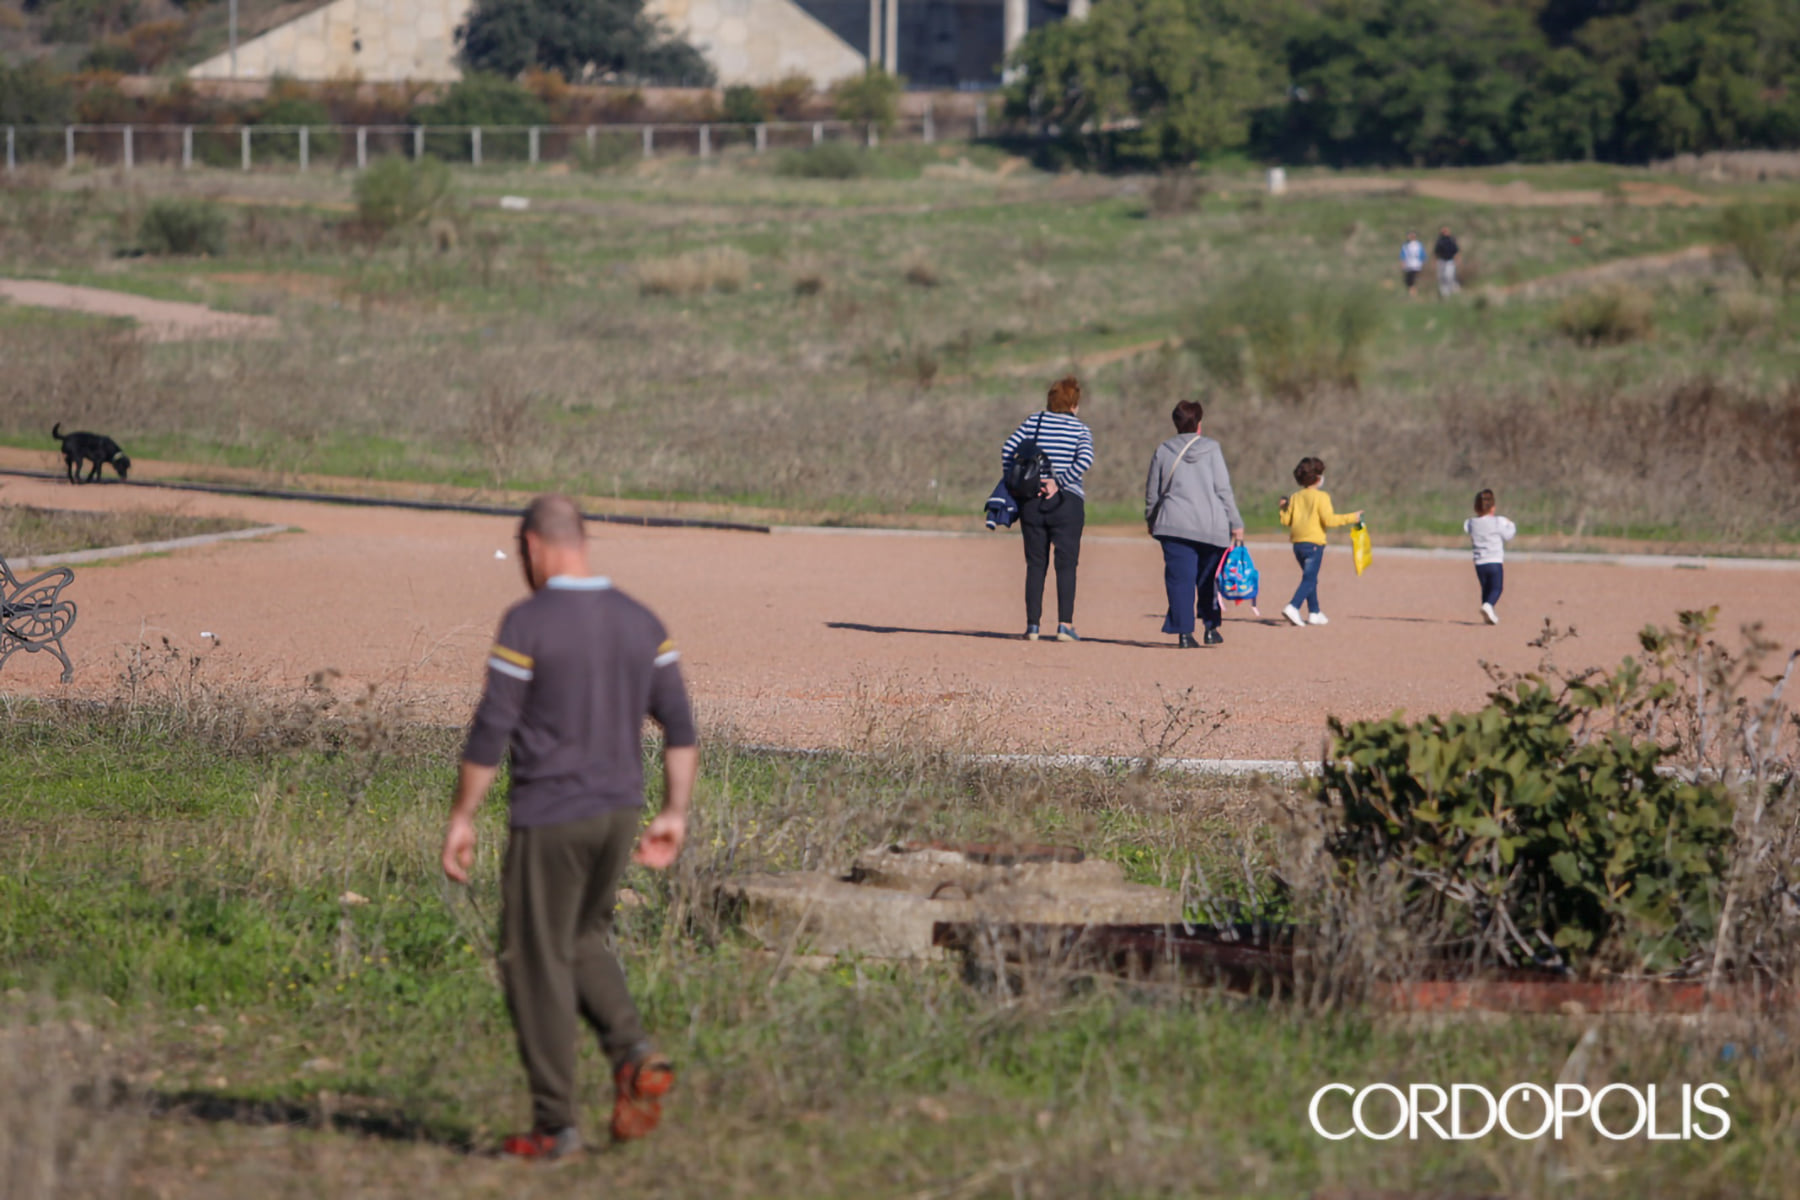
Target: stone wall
<point>388,41</point>
<point>377,40</point>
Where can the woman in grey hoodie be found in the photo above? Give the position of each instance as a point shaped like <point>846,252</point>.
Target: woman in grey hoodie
<point>1190,509</point>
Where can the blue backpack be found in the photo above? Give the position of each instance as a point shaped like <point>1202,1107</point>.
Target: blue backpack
<point>1238,578</point>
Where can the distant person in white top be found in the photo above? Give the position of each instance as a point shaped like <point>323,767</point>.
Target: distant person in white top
<point>1488,533</point>
<point>1412,262</point>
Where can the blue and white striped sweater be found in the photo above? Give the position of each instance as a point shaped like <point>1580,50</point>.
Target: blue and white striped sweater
<point>1064,439</point>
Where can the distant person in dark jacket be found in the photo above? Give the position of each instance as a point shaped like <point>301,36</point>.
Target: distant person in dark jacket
<point>1190,509</point>
<point>1448,254</point>
<point>1053,519</point>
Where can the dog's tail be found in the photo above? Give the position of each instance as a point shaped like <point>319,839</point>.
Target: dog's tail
<point>56,431</point>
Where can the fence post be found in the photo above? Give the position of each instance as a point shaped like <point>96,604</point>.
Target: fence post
<point>362,146</point>
<point>68,145</point>
<point>534,145</point>
<point>981,118</point>
<point>305,145</point>
<point>12,163</point>
<point>818,132</point>
<point>873,139</point>
<point>590,137</point>
<point>187,147</point>
<point>649,141</point>
<point>762,138</point>
<point>244,137</point>
<point>127,146</point>
<point>418,143</point>
<point>475,146</point>
<point>930,130</point>
<point>705,141</point>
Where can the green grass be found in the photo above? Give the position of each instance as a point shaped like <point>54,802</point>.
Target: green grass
<point>177,883</point>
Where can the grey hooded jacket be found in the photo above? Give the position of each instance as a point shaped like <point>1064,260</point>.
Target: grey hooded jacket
<point>1199,506</point>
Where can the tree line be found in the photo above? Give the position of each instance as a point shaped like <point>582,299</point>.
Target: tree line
<point>1413,82</point>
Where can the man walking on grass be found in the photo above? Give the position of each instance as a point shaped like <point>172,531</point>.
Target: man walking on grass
<point>575,670</point>
<point>1448,254</point>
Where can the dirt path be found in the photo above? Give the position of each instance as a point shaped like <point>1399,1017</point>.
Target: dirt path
<point>158,320</point>
<point>1517,194</point>
<point>840,638</point>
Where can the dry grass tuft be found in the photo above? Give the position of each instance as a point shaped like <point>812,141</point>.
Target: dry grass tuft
<point>27,531</point>
<point>809,277</point>
<point>919,271</point>
<point>1742,314</point>
<point>714,269</point>
<point>1607,316</point>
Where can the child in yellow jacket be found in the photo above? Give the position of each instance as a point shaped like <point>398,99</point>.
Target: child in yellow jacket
<point>1307,514</point>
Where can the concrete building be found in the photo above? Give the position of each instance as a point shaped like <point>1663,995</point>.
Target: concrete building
<point>936,43</point>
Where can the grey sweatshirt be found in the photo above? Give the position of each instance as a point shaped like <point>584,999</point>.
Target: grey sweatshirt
<point>1200,506</point>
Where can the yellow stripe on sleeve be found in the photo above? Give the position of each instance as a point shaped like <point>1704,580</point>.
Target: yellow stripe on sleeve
<point>513,657</point>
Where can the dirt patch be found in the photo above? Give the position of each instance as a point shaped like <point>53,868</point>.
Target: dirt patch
<point>1689,260</point>
<point>1517,194</point>
<point>157,320</point>
<point>324,288</point>
<point>853,639</point>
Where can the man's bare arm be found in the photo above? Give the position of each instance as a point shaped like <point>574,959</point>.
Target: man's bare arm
<point>472,784</point>
<point>662,839</point>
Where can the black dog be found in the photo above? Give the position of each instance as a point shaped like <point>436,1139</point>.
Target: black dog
<point>97,448</point>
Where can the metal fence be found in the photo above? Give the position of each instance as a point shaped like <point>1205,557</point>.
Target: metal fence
<point>303,147</point>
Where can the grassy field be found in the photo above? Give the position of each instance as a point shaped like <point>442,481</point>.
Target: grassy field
<point>26,531</point>
<point>855,350</point>
<point>229,915</point>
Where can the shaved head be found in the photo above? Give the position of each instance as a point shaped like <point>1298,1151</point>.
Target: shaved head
<point>555,520</point>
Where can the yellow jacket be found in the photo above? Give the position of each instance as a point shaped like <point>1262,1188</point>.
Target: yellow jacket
<point>1309,514</point>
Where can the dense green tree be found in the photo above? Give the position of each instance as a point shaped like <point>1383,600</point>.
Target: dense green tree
<point>1143,81</point>
<point>483,99</point>
<point>1570,111</point>
<point>610,38</point>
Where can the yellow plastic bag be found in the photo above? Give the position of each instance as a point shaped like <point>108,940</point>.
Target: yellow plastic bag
<point>1360,549</point>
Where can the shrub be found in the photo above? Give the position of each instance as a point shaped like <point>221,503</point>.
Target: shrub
<point>743,105</point>
<point>828,160</point>
<point>293,110</point>
<point>1607,315</point>
<point>1291,338</point>
<point>1542,829</point>
<point>920,272</point>
<point>872,98</point>
<point>809,277</point>
<point>608,151</point>
<point>788,98</point>
<point>395,193</point>
<point>182,227</point>
<point>1744,313</point>
<point>1175,192</point>
<point>1767,238</point>
<point>716,268</point>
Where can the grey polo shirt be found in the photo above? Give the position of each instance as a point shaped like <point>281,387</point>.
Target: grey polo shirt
<point>573,673</point>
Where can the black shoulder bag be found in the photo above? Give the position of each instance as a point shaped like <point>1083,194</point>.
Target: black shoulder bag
<point>1030,467</point>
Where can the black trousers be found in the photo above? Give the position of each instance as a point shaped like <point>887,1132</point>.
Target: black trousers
<point>1047,525</point>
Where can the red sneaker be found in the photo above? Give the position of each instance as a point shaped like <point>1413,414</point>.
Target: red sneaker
<point>542,1144</point>
<point>641,1086</point>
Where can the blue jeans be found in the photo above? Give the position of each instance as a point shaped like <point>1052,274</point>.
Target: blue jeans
<point>1493,581</point>
<point>1309,555</point>
<point>1191,577</point>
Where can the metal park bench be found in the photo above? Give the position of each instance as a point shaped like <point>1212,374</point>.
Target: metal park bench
<point>34,616</point>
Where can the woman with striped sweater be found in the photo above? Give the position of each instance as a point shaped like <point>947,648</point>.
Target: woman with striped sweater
<point>1052,520</point>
